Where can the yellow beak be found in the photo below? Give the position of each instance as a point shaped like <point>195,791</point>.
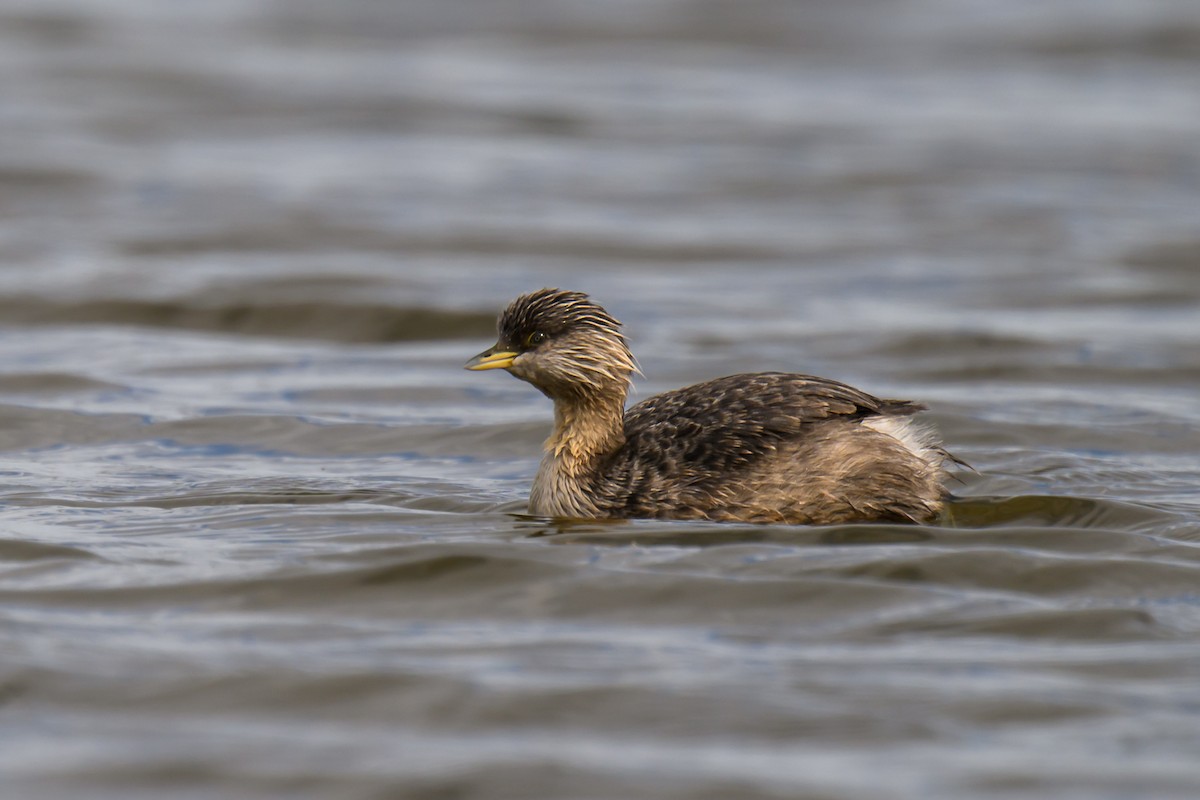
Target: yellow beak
<point>492,358</point>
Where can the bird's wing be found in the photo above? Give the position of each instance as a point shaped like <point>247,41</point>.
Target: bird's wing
<point>722,425</point>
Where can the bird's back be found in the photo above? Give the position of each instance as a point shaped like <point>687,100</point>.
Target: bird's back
<point>772,447</point>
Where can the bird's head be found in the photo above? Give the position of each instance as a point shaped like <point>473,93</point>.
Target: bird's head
<point>562,343</point>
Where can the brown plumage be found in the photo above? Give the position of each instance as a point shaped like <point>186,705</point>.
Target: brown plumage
<point>766,447</point>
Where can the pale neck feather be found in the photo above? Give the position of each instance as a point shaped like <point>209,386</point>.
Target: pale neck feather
<point>584,433</point>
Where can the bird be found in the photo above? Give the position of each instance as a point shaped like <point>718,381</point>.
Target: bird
<point>768,447</point>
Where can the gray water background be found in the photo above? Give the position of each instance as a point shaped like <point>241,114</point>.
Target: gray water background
<point>261,534</point>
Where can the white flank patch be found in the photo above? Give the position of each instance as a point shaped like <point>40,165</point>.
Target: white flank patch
<point>918,440</point>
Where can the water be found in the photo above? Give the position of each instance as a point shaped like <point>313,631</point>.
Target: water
<point>262,535</point>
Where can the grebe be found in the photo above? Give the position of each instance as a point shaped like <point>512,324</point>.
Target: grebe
<point>765,447</point>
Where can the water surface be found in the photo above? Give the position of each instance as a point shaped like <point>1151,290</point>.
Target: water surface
<point>263,536</point>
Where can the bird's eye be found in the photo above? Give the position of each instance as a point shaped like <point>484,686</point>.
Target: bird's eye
<point>535,338</point>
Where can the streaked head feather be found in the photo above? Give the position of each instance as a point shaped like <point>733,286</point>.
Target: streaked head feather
<point>585,353</point>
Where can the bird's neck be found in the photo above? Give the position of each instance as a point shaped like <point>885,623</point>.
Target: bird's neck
<point>586,430</point>
<point>584,434</point>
